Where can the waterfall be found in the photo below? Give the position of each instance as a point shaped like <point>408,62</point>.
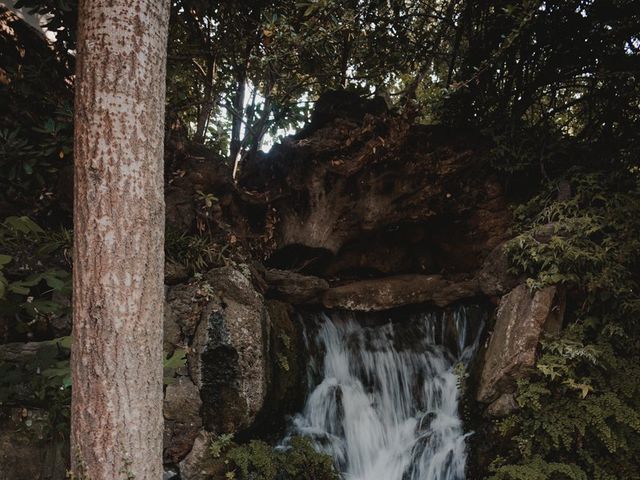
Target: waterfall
<point>384,397</point>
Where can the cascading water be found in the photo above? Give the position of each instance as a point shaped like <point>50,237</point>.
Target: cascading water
<point>384,398</point>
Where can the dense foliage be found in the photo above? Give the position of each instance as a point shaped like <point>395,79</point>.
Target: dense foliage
<point>257,460</point>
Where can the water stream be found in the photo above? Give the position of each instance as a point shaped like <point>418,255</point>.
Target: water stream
<point>384,396</point>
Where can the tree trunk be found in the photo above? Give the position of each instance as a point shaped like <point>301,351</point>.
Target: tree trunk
<point>207,104</point>
<point>116,360</point>
<point>237,117</point>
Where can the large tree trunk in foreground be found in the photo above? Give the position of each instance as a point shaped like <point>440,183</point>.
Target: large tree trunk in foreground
<point>116,424</point>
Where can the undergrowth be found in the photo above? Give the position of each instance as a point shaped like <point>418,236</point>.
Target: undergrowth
<point>579,415</point>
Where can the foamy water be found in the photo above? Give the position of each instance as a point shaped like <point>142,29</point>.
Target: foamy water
<point>385,400</point>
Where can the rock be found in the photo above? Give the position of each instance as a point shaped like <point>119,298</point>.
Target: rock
<point>22,361</point>
<point>25,451</point>
<point>522,317</point>
<point>20,353</point>
<point>170,474</point>
<point>183,311</point>
<point>182,405</point>
<point>293,287</point>
<point>199,464</point>
<point>287,372</point>
<point>396,291</point>
<point>503,406</point>
<point>227,358</point>
<point>172,333</point>
<point>347,187</point>
<point>182,400</point>
<point>451,292</point>
<point>195,169</point>
<point>174,273</point>
<point>494,278</point>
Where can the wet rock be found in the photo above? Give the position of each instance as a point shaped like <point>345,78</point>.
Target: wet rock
<point>453,291</point>
<point>287,369</point>
<point>293,287</point>
<point>522,317</point>
<point>170,474</point>
<point>396,291</point>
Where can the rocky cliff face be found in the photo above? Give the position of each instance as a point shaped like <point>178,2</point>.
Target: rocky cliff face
<point>356,195</point>
<point>363,210</point>
<point>378,195</point>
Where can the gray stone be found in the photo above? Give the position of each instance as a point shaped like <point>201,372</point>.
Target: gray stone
<point>503,406</point>
<point>396,291</point>
<point>171,329</point>
<point>195,465</point>
<point>184,308</point>
<point>174,273</point>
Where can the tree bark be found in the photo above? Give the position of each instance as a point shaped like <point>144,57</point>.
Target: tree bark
<point>237,116</point>
<point>116,360</point>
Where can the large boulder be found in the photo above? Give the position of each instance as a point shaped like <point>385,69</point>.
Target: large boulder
<point>199,464</point>
<point>521,319</point>
<point>223,324</point>
<point>244,372</point>
<point>244,368</point>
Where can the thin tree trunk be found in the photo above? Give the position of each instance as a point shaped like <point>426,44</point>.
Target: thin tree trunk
<point>116,360</point>
<point>456,44</point>
<point>237,117</point>
<point>207,104</point>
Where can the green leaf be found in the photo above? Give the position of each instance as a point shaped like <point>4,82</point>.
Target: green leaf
<point>177,360</point>
<point>64,342</point>
<point>54,281</point>
<point>17,287</point>
<point>56,372</point>
<point>23,225</point>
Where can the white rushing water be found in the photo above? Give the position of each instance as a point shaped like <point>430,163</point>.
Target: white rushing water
<point>384,401</point>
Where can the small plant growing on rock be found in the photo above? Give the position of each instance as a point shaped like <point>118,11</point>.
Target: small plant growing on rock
<point>257,460</point>
<point>220,444</point>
